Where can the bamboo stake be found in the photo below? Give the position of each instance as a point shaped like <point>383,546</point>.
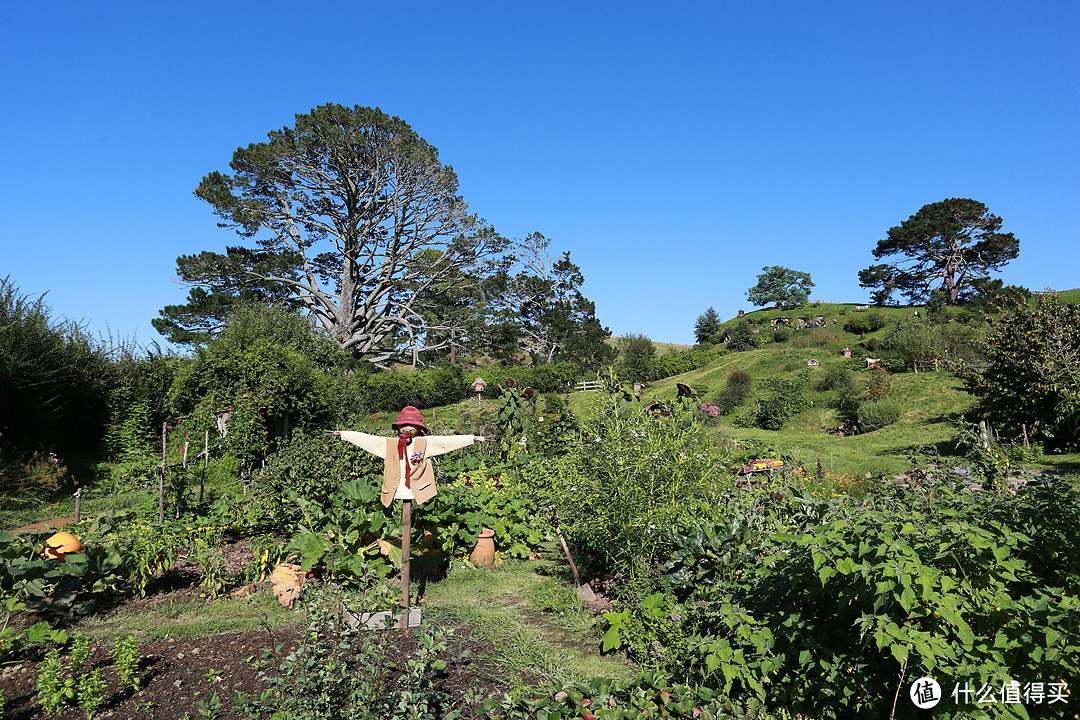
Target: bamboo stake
<point>206,461</point>
<point>406,551</point>
<point>161,468</point>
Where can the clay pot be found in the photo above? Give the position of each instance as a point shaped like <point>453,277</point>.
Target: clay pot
<point>60,544</point>
<point>484,552</point>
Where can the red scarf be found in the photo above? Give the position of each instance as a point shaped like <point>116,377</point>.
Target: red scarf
<point>403,454</point>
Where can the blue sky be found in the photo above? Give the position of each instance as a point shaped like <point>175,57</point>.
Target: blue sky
<point>675,149</point>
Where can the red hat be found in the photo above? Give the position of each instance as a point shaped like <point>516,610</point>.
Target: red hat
<point>410,416</point>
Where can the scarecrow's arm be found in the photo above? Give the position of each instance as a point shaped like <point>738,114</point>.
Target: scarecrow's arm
<point>372,443</point>
<point>439,444</point>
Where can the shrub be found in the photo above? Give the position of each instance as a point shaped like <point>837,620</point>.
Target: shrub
<point>880,384</point>
<point>785,399</point>
<point>938,582</point>
<point>863,324</point>
<point>741,338</point>
<point>681,362</point>
<point>876,414</point>
<point>836,377</point>
<point>735,391</point>
<point>637,476</point>
<point>781,335</point>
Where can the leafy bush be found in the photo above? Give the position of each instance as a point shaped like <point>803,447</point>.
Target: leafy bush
<point>553,378</point>
<point>389,391</point>
<point>863,324</point>
<point>54,380</point>
<point>976,588</point>
<point>636,476</point>
<point>736,390</point>
<point>876,414</point>
<point>342,669</point>
<point>785,399</point>
<point>311,467</point>
<point>836,377</point>
<point>648,695</point>
<point>676,363</point>
<point>740,338</point>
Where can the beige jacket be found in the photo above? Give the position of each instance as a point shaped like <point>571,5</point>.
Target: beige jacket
<point>421,475</point>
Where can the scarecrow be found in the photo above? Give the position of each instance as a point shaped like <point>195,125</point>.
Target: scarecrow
<point>407,472</point>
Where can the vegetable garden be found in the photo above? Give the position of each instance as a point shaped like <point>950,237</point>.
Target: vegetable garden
<point>808,594</point>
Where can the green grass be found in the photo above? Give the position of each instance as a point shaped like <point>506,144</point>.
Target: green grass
<point>193,617</point>
<point>932,401</point>
<point>530,615</point>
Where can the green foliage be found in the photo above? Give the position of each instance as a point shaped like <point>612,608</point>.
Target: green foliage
<point>785,398</point>
<point>676,363</point>
<point>501,495</point>
<point>636,356</point>
<point>876,414</point>
<point>53,689</point>
<point>880,384</point>
<point>863,324</point>
<point>1032,377</point>
<point>653,633</point>
<point>312,466</point>
<point>736,390</point>
<point>54,380</point>
<point>340,251</point>
<point>552,431</point>
<point>740,338</point>
<point>707,325</point>
<point>266,356</point>
<point>340,534</point>
<point>16,641</point>
<point>553,378</point>
<point>389,391</point>
<point>125,653</point>
<point>514,414</point>
<point>56,586</point>
<point>545,313</point>
<point>933,581</point>
<point>342,669</point>
<point>780,285</point>
<point>650,694</point>
<point>635,477</point>
<point>955,241</point>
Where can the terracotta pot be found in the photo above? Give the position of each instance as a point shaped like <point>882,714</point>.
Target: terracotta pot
<point>484,552</point>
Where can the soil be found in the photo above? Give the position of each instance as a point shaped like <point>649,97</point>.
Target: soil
<point>179,674</point>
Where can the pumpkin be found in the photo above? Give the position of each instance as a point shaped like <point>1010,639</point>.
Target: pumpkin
<point>60,544</point>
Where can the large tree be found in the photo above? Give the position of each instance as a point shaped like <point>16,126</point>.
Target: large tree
<point>786,288</point>
<point>708,324</point>
<point>955,241</point>
<point>1032,376</point>
<point>552,319</point>
<point>356,222</point>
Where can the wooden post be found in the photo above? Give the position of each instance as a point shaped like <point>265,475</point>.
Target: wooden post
<point>1023,429</point>
<point>78,505</point>
<point>406,551</point>
<point>185,454</point>
<point>205,462</point>
<point>161,469</point>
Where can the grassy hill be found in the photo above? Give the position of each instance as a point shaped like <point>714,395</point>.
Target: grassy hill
<point>931,401</point>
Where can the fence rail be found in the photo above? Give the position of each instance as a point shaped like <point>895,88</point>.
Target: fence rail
<point>588,386</point>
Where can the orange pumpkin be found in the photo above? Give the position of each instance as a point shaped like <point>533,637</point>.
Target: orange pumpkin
<point>60,544</point>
